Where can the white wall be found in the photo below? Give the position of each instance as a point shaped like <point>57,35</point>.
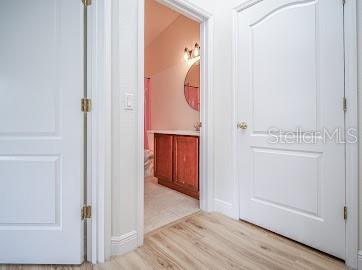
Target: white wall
<point>125,125</point>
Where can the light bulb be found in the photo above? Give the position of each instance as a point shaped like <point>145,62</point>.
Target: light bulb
<point>196,51</point>
<point>186,54</point>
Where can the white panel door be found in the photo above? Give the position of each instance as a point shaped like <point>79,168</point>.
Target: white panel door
<point>41,135</point>
<point>290,85</point>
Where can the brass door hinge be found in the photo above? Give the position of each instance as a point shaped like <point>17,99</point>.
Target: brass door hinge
<point>87,2</point>
<point>344,104</point>
<point>345,213</point>
<point>86,105</point>
<point>86,212</point>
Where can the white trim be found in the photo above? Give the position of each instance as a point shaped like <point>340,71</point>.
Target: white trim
<point>359,267</point>
<point>350,23</point>
<point>207,181</point>
<point>100,86</point>
<point>351,120</point>
<point>224,207</point>
<point>234,119</point>
<point>91,236</point>
<point>206,135</point>
<point>187,9</point>
<point>124,243</point>
<point>140,124</point>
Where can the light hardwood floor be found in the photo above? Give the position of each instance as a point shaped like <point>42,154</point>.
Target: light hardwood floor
<point>212,241</point>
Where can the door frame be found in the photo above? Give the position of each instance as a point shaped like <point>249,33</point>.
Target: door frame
<point>99,148</point>
<point>206,164</point>
<point>99,83</point>
<point>351,121</point>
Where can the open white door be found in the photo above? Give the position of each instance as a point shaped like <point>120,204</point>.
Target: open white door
<point>290,72</point>
<point>41,131</point>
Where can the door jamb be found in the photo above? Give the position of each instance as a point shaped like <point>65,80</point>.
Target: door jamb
<point>99,83</point>
<point>351,121</point>
<point>206,134</point>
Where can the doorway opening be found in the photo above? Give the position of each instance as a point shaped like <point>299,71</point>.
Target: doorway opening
<point>206,160</point>
<point>171,115</point>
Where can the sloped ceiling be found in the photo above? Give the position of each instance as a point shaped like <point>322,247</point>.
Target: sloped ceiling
<point>157,19</point>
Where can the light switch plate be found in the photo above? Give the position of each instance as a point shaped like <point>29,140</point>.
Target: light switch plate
<point>128,101</point>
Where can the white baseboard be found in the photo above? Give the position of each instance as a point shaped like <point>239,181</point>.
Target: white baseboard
<point>124,243</point>
<point>223,207</point>
<point>359,260</point>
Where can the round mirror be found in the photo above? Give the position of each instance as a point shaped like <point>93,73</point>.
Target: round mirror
<point>192,86</point>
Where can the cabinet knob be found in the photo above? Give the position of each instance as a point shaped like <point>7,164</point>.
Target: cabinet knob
<point>242,125</point>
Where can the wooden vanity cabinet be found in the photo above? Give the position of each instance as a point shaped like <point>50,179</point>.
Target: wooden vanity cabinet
<point>186,164</point>
<point>163,148</point>
<point>177,162</point>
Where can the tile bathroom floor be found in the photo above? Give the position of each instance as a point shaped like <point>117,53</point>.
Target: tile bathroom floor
<point>164,205</point>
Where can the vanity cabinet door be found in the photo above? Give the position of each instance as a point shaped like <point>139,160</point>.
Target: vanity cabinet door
<point>186,164</point>
<point>163,157</point>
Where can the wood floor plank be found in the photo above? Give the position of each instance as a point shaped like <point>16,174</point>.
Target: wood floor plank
<point>212,241</point>
<point>235,248</point>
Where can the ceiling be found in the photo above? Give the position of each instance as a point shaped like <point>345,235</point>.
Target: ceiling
<point>157,19</point>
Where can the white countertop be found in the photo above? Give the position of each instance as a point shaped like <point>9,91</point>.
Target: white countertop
<point>176,132</point>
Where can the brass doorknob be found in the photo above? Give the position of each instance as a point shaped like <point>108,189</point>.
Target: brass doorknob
<point>242,125</point>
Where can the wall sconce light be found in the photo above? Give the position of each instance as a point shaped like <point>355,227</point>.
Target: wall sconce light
<point>196,51</point>
<point>190,54</point>
<point>187,54</point>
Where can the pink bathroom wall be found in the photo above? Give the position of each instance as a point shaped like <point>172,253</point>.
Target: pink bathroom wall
<point>165,64</point>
